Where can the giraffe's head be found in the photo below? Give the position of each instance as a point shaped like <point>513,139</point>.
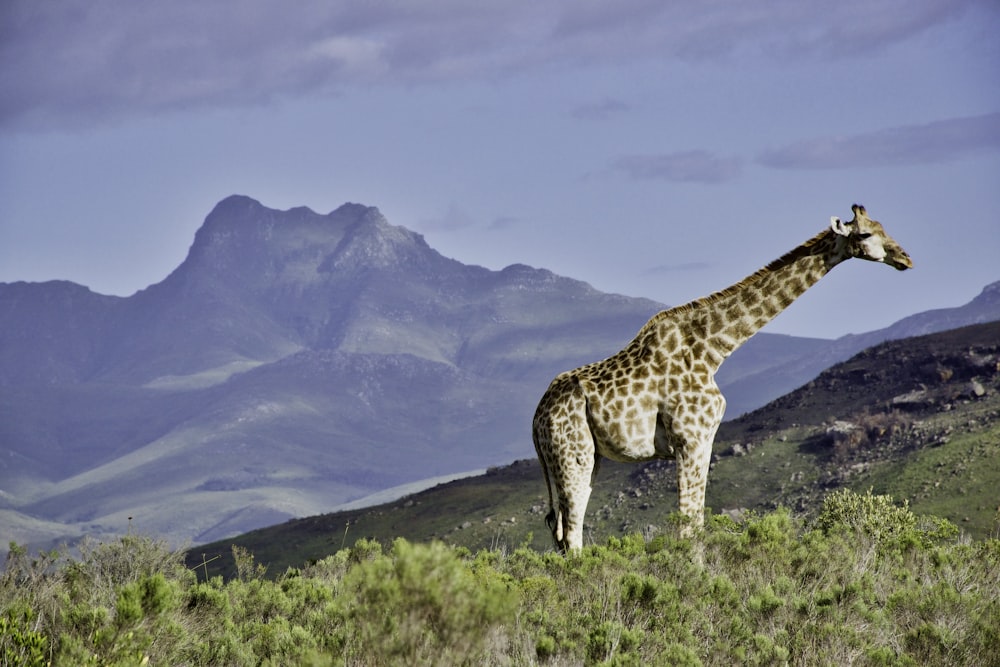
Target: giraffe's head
<point>864,238</point>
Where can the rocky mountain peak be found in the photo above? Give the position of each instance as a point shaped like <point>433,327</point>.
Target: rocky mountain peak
<point>356,212</point>
<point>239,223</point>
<point>243,242</point>
<point>990,294</point>
<point>373,243</point>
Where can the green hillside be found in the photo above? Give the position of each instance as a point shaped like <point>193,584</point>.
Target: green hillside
<point>917,419</point>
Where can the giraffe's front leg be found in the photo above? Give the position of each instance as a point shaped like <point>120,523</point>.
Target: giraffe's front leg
<point>695,456</point>
<point>692,480</point>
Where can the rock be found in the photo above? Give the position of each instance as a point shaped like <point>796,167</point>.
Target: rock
<point>914,399</point>
<point>841,427</point>
<point>735,514</point>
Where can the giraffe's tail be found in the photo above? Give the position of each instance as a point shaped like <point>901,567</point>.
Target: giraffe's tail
<point>554,519</point>
<point>555,523</point>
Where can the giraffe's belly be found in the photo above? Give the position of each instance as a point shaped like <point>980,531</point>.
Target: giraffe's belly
<point>635,440</point>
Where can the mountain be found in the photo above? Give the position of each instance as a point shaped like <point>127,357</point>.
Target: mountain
<point>292,363</point>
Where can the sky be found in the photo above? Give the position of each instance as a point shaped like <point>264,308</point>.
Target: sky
<point>662,150</point>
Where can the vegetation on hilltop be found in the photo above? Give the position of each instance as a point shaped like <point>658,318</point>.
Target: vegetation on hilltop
<point>868,583</point>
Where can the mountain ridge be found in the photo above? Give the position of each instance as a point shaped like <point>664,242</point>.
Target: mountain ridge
<point>781,378</point>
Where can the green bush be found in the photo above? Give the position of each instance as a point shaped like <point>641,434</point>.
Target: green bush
<point>19,645</point>
<point>420,604</point>
<point>868,583</point>
<point>872,515</point>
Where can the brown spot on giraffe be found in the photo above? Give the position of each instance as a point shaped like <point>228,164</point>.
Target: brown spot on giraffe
<point>667,374</point>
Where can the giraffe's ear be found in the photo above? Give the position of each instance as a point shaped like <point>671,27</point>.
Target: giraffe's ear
<point>839,226</point>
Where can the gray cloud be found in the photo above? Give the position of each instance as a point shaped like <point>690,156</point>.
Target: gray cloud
<point>692,30</point>
<point>503,222</point>
<point>457,219</point>
<point>684,167</point>
<point>940,141</point>
<point>677,268</point>
<point>454,219</point>
<point>600,110</point>
<point>85,61</point>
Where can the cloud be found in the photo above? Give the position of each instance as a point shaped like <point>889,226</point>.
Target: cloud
<point>693,31</point>
<point>89,61</point>
<point>458,219</point>
<point>685,167</point>
<point>503,222</point>
<point>601,110</point>
<point>940,141</point>
<point>454,219</point>
<point>683,267</point>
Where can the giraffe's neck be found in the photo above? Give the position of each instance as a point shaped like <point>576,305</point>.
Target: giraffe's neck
<point>718,324</point>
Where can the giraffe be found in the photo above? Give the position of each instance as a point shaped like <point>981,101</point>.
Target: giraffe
<point>657,397</point>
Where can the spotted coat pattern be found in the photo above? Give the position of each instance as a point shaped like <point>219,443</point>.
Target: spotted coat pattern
<point>657,397</point>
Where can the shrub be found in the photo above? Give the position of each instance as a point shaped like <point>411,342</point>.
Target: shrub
<point>19,645</point>
<point>869,514</point>
<point>845,437</point>
<point>870,583</point>
<point>420,604</point>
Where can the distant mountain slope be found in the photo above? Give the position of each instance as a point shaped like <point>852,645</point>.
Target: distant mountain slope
<point>51,333</point>
<point>755,388</point>
<point>293,362</point>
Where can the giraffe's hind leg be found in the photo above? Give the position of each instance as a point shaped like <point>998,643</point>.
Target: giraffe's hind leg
<point>554,519</point>
<point>541,434</point>
<point>573,503</point>
<point>568,478</point>
<point>572,459</point>
<point>565,448</point>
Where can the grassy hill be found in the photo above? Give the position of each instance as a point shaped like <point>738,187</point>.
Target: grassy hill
<point>917,419</point>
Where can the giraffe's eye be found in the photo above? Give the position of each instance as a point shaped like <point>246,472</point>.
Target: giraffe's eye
<point>864,235</point>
